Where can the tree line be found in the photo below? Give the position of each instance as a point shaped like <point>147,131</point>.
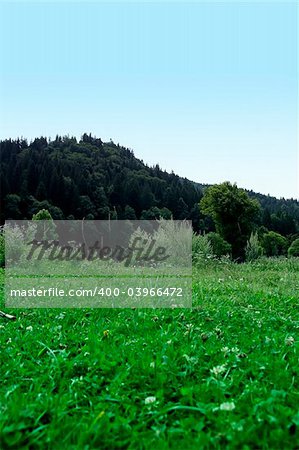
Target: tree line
<point>91,179</point>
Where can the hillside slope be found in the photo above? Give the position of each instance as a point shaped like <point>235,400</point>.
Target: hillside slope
<point>96,180</point>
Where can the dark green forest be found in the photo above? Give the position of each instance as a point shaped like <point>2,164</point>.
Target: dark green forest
<point>92,179</point>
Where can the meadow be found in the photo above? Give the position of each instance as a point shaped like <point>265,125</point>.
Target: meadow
<point>223,374</point>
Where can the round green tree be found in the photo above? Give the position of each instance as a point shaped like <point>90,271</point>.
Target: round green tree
<point>43,214</point>
<point>294,248</point>
<point>233,213</point>
<point>274,244</point>
<point>220,247</point>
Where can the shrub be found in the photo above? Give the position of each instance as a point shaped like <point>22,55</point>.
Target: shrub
<point>261,231</point>
<point>16,238</point>
<point>176,238</point>
<point>201,248</point>
<point>253,249</point>
<point>48,228</point>
<point>220,247</point>
<point>294,248</point>
<point>170,235</point>
<point>43,214</point>
<point>274,244</point>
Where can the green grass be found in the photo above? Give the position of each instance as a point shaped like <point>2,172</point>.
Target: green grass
<point>78,379</point>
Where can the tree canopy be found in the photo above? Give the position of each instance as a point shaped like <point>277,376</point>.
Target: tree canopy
<point>93,179</point>
<point>233,213</point>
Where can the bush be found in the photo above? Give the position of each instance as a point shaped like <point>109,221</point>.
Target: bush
<point>274,244</point>
<point>15,242</point>
<point>173,236</point>
<point>253,248</point>
<point>261,231</point>
<point>48,228</point>
<point>220,247</point>
<point>43,214</point>
<point>176,238</point>
<point>201,248</point>
<point>294,248</point>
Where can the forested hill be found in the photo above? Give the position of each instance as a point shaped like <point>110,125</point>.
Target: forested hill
<point>96,180</point>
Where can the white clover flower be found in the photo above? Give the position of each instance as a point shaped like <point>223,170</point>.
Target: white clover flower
<point>289,340</point>
<point>235,350</point>
<point>225,350</point>
<point>227,406</point>
<point>217,370</point>
<point>190,359</point>
<point>60,316</point>
<point>149,400</point>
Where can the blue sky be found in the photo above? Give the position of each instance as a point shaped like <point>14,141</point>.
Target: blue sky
<point>206,89</point>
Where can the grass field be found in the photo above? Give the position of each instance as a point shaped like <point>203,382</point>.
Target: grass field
<point>222,375</point>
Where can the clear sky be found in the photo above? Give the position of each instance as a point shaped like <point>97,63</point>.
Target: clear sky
<point>206,89</point>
